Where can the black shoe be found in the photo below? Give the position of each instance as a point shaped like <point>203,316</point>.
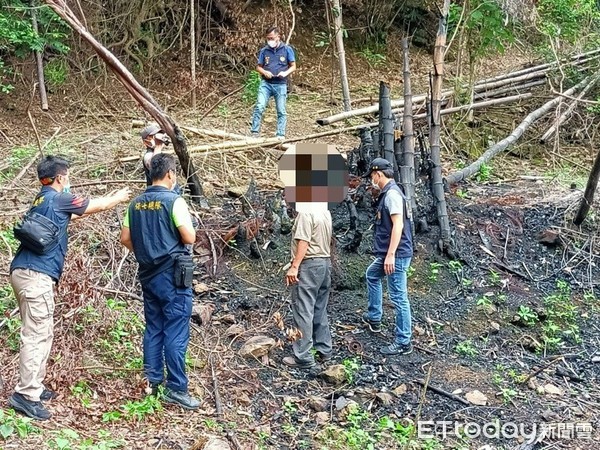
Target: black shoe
<point>35,410</point>
<point>324,357</point>
<point>374,326</point>
<point>292,362</point>
<point>181,398</point>
<point>153,389</point>
<point>47,394</point>
<point>397,349</point>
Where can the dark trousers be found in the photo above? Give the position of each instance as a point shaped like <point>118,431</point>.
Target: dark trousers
<point>167,310</point>
<point>309,308</point>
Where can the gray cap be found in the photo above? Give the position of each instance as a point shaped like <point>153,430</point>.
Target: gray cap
<point>378,164</point>
<point>150,130</point>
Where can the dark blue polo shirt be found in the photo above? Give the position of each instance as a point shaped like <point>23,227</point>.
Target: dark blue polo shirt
<point>276,60</point>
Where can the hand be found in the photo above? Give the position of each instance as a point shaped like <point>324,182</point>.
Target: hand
<point>291,277</point>
<point>389,265</point>
<point>267,74</point>
<point>123,194</point>
<point>283,74</point>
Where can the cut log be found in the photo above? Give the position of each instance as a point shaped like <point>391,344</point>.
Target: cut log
<point>567,113</point>
<point>511,139</point>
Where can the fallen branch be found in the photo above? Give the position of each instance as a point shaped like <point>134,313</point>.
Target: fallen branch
<point>219,406</point>
<point>441,391</point>
<point>541,369</point>
<point>533,117</point>
<point>567,113</point>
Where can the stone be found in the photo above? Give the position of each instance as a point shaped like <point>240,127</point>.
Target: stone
<point>494,327</point>
<point>234,330</point>
<point>318,404</point>
<point>201,288</point>
<point>476,398</point>
<point>341,403</point>
<point>457,392</point>
<point>335,374</point>
<point>350,407</point>
<point>550,238</point>
<point>553,390</point>
<point>596,359</point>
<point>322,417</point>
<point>202,312</point>
<point>216,444</point>
<point>257,346</point>
<point>419,330</point>
<point>400,390</point>
<point>228,318</point>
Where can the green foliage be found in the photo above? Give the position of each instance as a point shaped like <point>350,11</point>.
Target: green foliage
<point>373,57</point>
<point>561,319</point>
<point>568,19</point>
<point>466,348</point>
<point>17,37</point>
<point>484,27</point>
<point>251,85</point>
<point>434,271</point>
<point>528,316</point>
<point>11,424</point>
<point>138,410</point>
<point>67,439</point>
<point>484,174</point>
<point>9,335</point>
<point>83,392</point>
<point>321,39</point>
<point>56,72</point>
<point>507,394</point>
<point>351,367</point>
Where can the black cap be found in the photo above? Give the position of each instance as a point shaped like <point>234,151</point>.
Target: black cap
<point>378,164</point>
<point>150,130</point>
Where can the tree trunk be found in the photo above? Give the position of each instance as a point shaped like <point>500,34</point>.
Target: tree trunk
<point>38,62</point>
<point>407,167</point>
<point>138,92</point>
<point>511,139</point>
<point>588,196</point>
<point>434,133</point>
<point>193,49</point>
<point>339,42</point>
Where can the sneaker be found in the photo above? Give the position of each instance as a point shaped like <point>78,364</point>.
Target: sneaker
<point>255,134</point>
<point>35,410</point>
<point>292,362</point>
<point>181,398</point>
<point>280,137</point>
<point>397,349</point>
<point>47,394</point>
<point>374,326</point>
<point>324,357</point>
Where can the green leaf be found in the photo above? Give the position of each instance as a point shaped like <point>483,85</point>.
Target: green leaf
<point>6,430</point>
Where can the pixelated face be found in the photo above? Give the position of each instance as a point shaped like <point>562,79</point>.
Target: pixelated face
<point>314,175</point>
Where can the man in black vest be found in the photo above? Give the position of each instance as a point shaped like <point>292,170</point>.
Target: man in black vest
<point>393,252</point>
<point>156,229</point>
<point>33,277</point>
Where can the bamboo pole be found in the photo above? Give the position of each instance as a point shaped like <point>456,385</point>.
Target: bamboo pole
<point>437,183</point>
<point>38,62</point>
<point>386,123</point>
<point>407,169</point>
<point>339,43</point>
<point>193,49</point>
<point>491,83</point>
<point>565,115</point>
<point>504,90</point>
<point>531,118</point>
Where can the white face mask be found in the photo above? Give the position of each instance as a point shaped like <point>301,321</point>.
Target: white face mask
<point>272,43</point>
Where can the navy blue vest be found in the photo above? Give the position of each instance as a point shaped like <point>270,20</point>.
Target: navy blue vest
<point>383,227</point>
<point>155,238</point>
<point>52,262</point>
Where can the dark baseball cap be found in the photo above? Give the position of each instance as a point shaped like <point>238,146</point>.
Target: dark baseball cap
<point>150,130</point>
<point>378,164</point>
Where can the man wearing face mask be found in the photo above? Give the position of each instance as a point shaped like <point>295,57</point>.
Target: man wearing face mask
<point>393,249</point>
<point>34,275</point>
<point>156,229</point>
<point>155,140</point>
<point>276,61</point>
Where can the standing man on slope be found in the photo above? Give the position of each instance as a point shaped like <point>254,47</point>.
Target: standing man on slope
<point>33,277</point>
<point>393,251</point>
<point>276,61</point>
<point>310,276</point>
<point>156,229</point>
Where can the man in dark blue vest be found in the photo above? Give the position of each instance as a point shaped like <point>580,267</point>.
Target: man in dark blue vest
<point>393,251</point>
<point>156,229</point>
<point>276,61</point>
<point>33,277</point>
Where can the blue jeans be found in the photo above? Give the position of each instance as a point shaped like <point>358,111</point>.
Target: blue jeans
<point>167,310</point>
<point>265,92</point>
<point>398,295</point>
